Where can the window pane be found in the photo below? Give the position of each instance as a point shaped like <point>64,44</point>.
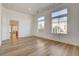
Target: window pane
<point>55,25</point>
<point>59,21</point>
<point>40,23</point>
<point>58,13</point>
<point>63,25</point>
<point>63,19</point>
<point>41,18</point>
<point>55,20</point>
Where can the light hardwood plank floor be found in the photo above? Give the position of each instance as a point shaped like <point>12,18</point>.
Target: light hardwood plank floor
<point>35,46</point>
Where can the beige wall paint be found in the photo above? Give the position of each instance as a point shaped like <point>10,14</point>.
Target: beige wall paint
<point>0,22</point>
<point>73,25</point>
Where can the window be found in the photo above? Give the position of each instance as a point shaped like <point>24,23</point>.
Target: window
<point>40,23</point>
<point>59,21</point>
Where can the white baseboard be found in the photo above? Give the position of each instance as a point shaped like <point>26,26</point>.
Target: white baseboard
<point>45,37</point>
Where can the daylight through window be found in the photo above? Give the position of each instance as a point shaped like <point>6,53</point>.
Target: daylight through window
<point>59,21</point>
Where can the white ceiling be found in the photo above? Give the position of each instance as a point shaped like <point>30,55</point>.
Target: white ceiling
<point>23,7</point>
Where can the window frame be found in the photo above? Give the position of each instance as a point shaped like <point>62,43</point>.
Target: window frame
<point>38,21</point>
<point>59,20</point>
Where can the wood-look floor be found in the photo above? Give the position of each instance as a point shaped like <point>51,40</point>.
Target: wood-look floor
<point>34,46</point>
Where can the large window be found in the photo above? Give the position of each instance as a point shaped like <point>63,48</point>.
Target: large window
<point>59,21</point>
<point>40,22</point>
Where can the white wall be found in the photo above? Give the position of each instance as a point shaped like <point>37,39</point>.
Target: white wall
<point>73,25</point>
<point>0,21</point>
<point>24,23</point>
